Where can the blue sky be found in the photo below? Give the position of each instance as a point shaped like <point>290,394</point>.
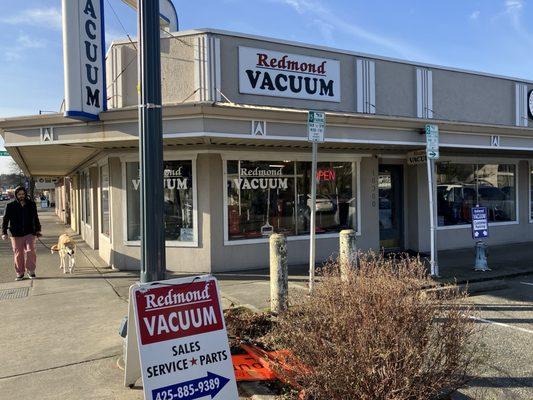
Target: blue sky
<point>493,36</point>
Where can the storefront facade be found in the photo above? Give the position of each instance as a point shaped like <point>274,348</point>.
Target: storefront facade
<point>237,161</point>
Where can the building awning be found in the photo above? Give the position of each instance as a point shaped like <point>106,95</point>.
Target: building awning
<point>72,145</point>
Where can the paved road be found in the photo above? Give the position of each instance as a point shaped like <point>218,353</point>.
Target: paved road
<point>506,319</point>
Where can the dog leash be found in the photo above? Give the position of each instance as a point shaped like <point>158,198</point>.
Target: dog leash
<point>39,239</point>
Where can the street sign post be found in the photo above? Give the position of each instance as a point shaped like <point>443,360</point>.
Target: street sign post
<point>316,122</point>
<point>432,153</point>
<point>151,144</point>
<point>480,223</point>
<point>179,343</point>
<point>432,141</point>
<point>4,153</point>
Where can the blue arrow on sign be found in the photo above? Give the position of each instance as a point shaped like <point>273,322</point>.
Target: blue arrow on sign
<point>211,385</point>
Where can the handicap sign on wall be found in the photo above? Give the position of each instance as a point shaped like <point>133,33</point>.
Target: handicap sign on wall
<point>480,223</point>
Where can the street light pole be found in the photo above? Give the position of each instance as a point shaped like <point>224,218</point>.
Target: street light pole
<point>150,143</point>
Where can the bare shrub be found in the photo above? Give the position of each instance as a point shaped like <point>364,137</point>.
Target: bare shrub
<point>376,335</point>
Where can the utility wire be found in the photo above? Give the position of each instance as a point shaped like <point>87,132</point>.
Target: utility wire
<point>135,47</point>
<point>121,24</point>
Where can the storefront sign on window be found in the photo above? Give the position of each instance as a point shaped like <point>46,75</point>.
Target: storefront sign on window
<point>272,73</point>
<point>172,179</point>
<point>178,200</point>
<point>327,175</point>
<point>258,178</point>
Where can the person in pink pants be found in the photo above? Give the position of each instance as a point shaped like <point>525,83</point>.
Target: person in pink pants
<point>23,222</point>
<point>24,255</point>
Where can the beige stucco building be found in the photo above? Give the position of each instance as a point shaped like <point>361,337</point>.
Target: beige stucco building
<point>237,159</point>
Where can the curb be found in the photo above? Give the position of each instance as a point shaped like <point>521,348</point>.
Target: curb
<point>256,391</point>
<point>472,288</point>
<point>491,278</point>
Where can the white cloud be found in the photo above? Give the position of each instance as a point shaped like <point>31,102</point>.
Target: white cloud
<point>23,43</point>
<point>475,14</point>
<point>513,8</point>
<point>329,20</point>
<point>27,42</point>
<point>42,17</point>
<point>513,5</point>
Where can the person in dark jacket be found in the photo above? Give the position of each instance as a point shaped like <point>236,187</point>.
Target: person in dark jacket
<point>23,222</point>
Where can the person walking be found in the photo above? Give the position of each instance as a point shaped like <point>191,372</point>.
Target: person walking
<point>23,222</point>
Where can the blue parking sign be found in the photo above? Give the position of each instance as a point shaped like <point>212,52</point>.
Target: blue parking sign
<point>480,223</point>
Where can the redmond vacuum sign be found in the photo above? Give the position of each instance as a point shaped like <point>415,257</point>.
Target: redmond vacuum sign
<point>272,73</point>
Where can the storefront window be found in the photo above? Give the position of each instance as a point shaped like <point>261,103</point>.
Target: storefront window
<point>86,201</point>
<point>274,196</point>
<point>462,186</point>
<point>178,201</point>
<point>104,199</point>
<point>531,193</point>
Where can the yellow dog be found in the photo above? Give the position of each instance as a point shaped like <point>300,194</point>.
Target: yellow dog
<point>66,247</point>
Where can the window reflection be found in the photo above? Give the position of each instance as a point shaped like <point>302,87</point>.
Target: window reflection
<point>275,196</point>
<point>178,200</point>
<point>463,186</point>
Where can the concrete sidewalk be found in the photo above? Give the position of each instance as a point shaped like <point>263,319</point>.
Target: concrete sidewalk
<point>59,340</point>
<point>59,336</point>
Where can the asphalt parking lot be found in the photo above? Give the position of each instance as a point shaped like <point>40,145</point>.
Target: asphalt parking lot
<point>505,317</point>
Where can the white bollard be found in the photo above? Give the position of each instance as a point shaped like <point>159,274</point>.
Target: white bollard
<point>279,273</point>
<point>347,252</point>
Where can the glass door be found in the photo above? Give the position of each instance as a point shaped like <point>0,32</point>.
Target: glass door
<point>390,188</point>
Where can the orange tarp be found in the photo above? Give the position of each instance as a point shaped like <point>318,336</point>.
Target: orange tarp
<point>248,369</point>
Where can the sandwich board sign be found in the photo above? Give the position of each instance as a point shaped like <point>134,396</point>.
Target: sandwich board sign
<point>480,223</point>
<point>179,344</point>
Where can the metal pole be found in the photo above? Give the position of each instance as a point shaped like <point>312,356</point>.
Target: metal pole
<point>312,228</point>
<point>432,225</point>
<point>150,143</point>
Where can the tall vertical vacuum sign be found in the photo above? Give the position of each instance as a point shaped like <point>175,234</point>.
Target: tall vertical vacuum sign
<point>84,59</point>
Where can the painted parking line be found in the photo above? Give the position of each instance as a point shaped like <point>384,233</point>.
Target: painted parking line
<point>488,321</point>
<point>527,283</point>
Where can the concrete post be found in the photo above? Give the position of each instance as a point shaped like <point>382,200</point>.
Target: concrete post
<point>347,251</point>
<point>279,273</point>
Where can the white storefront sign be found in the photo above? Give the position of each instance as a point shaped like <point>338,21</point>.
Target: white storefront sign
<point>172,179</point>
<point>416,157</point>
<point>182,340</point>
<point>43,183</point>
<point>84,59</point>
<point>273,73</point>
<point>259,178</point>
